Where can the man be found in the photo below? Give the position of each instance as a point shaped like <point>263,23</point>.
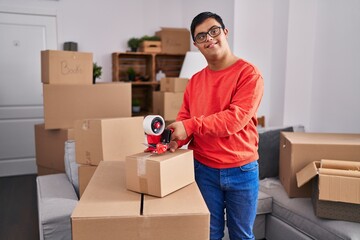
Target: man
<point>218,118</point>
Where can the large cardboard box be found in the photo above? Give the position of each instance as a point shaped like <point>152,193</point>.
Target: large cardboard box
<point>173,84</point>
<point>108,139</point>
<point>167,104</point>
<point>66,67</point>
<point>50,149</point>
<point>174,40</point>
<point>159,174</point>
<point>336,188</point>
<point>297,149</point>
<point>64,104</point>
<point>85,173</point>
<point>107,210</point>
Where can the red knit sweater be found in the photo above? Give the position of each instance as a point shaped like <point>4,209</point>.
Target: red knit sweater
<point>219,115</point>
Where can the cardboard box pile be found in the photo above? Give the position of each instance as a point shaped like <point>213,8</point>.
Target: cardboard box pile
<point>69,96</point>
<point>174,40</point>
<point>168,100</point>
<point>107,210</point>
<point>335,194</point>
<point>336,189</point>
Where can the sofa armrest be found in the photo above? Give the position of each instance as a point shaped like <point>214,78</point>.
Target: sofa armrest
<point>56,202</point>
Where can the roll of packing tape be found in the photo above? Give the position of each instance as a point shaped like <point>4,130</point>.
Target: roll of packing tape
<point>154,125</point>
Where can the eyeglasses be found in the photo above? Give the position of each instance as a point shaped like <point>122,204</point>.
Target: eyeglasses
<point>213,32</point>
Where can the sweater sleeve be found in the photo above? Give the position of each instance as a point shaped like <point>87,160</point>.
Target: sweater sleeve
<point>242,108</point>
<point>183,114</point>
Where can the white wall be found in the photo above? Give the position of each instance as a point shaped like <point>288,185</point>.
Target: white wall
<point>309,53</point>
<point>103,27</point>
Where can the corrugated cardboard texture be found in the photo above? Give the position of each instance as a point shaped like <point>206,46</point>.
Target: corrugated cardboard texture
<point>110,139</point>
<point>85,174</point>
<point>174,40</point>
<point>108,211</point>
<point>50,148</point>
<point>339,181</point>
<point>173,84</point>
<point>334,210</point>
<point>64,104</point>
<point>167,104</point>
<point>159,174</point>
<point>298,149</point>
<point>66,67</point>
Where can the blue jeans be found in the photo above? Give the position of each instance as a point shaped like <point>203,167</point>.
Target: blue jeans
<point>233,189</point>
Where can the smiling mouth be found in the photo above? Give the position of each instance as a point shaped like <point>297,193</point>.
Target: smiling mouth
<point>212,45</point>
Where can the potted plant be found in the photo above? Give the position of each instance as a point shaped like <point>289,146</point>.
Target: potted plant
<point>134,43</point>
<point>131,74</point>
<point>97,71</point>
<point>136,105</point>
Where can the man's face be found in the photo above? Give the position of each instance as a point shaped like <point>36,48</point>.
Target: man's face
<point>210,38</point>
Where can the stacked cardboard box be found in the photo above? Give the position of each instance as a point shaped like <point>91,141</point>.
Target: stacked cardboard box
<point>174,40</point>
<point>69,96</point>
<point>168,100</point>
<point>107,210</point>
<point>298,149</point>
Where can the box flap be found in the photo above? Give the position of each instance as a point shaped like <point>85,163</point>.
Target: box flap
<point>307,173</point>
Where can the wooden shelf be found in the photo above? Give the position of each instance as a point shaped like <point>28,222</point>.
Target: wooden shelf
<point>146,65</point>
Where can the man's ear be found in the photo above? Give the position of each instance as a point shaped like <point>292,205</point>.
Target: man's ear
<point>194,43</point>
<point>226,31</point>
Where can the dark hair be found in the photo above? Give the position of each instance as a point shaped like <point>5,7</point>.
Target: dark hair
<point>201,17</point>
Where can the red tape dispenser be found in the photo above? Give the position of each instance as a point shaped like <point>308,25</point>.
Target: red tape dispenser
<point>158,137</point>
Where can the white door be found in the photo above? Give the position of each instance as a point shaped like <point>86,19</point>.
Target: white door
<point>23,36</point>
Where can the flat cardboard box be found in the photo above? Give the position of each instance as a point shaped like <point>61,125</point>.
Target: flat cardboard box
<point>159,174</point>
<point>167,104</point>
<point>107,210</point>
<point>50,149</point>
<point>66,67</point>
<point>173,84</point>
<point>336,188</point>
<point>174,40</point>
<point>297,149</point>
<point>64,104</point>
<point>85,174</point>
<point>108,139</point>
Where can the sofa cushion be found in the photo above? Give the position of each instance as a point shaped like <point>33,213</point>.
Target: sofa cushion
<point>56,201</point>
<point>299,213</point>
<point>71,167</point>
<point>269,148</point>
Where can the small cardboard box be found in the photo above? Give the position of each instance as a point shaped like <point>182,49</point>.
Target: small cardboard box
<point>159,174</point>
<point>108,210</point>
<point>174,40</point>
<point>150,46</point>
<point>173,84</point>
<point>66,67</point>
<point>50,149</point>
<point>64,104</point>
<point>167,104</point>
<point>336,188</point>
<point>85,173</point>
<point>297,149</point>
<point>108,139</point>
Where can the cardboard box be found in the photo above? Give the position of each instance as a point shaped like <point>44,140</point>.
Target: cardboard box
<point>66,67</point>
<point>85,173</point>
<point>64,104</point>
<point>167,104</point>
<point>174,40</point>
<point>50,149</point>
<point>173,84</point>
<point>110,139</point>
<point>150,46</point>
<point>107,210</point>
<point>159,174</point>
<point>297,149</point>
<point>336,188</point>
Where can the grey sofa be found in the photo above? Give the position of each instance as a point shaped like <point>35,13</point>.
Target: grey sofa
<point>278,216</point>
